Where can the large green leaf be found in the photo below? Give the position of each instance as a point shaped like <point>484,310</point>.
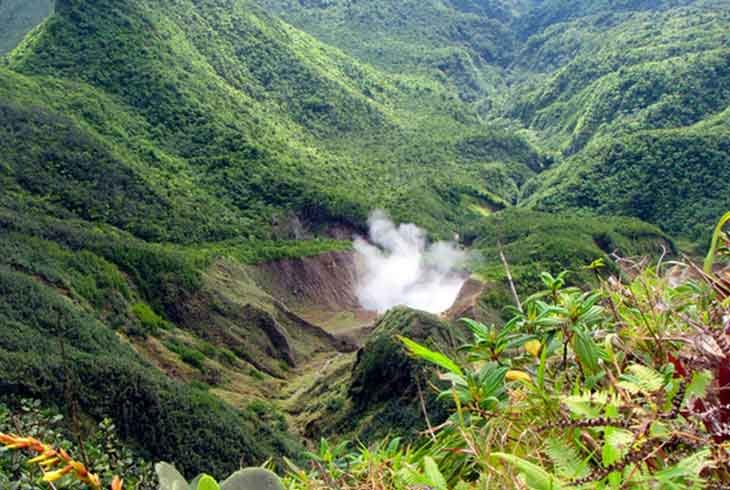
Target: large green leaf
<point>431,356</point>
<point>169,477</point>
<point>587,351</point>
<point>204,482</point>
<point>687,469</point>
<point>433,473</point>
<point>710,259</point>
<point>588,405</point>
<point>535,477</point>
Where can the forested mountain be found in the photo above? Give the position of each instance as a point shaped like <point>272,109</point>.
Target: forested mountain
<point>247,117</point>
<point>155,153</point>
<point>569,75</point>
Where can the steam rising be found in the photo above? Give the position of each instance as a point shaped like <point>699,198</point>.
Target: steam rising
<point>399,267</point>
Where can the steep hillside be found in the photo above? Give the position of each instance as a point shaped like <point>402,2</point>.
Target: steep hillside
<point>461,43</point>
<point>612,73</point>
<point>635,101</point>
<point>675,178</point>
<point>569,74</point>
<point>150,150</point>
<point>59,309</point>
<point>254,117</point>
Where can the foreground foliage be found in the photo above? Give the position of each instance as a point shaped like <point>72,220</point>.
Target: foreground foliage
<point>626,385</point>
<point>46,433</point>
<point>623,386</point>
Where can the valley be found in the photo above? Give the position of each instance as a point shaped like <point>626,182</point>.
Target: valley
<point>188,191</point>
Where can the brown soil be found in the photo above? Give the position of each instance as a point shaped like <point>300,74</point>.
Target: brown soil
<point>326,281</point>
<point>321,291</point>
<point>466,304</point>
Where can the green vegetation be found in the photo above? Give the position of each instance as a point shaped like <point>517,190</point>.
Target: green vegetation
<point>675,179</point>
<point>578,80</point>
<point>153,152</point>
<point>101,446</point>
<point>533,242</point>
<point>49,336</point>
<point>150,320</point>
<point>385,382</point>
<point>582,389</point>
<point>214,137</point>
<point>245,479</point>
<point>188,355</point>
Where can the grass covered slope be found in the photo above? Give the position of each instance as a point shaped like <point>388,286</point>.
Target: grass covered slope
<point>222,110</point>
<point>129,312</point>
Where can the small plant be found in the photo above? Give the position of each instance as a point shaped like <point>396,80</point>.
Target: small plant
<point>98,448</point>
<point>245,479</point>
<point>55,463</point>
<point>151,322</point>
<point>720,243</point>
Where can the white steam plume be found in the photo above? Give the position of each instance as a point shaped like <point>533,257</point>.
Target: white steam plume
<point>399,267</point>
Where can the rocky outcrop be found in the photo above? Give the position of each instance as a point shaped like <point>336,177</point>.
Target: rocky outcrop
<point>383,369</point>
<point>466,304</point>
<point>386,380</point>
<point>327,280</point>
<point>232,311</point>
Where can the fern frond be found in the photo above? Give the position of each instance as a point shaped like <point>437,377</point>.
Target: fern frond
<point>589,405</point>
<point>566,459</point>
<point>641,378</point>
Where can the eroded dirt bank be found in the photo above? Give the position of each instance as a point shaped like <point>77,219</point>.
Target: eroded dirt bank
<point>321,290</point>
<point>286,332</point>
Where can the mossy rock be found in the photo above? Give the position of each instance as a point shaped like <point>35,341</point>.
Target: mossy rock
<point>383,369</point>
<point>385,378</point>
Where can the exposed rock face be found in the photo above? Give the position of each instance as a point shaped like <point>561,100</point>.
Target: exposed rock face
<point>232,311</point>
<point>327,280</point>
<point>320,290</point>
<point>467,302</point>
<point>273,314</point>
